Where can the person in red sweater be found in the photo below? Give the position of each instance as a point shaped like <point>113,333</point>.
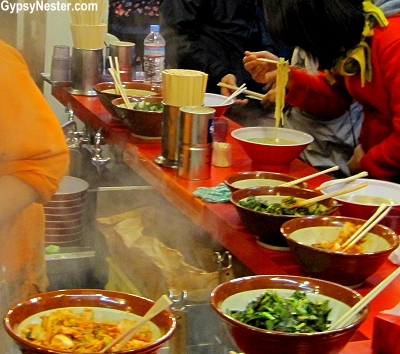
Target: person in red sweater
<point>357,45</point>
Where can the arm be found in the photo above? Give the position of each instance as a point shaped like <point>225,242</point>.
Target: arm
<point>33,152</point>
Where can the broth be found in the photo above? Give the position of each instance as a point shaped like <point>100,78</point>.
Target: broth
<point>273,141</point>
<point>256,182</point>
<point>368,199</point>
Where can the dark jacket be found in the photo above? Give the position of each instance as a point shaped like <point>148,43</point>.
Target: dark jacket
<point>212,36</point>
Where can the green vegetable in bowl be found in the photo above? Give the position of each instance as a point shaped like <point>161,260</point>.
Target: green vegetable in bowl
<point>148,106</point>
<point>295,314</point>
<point>286,207</point>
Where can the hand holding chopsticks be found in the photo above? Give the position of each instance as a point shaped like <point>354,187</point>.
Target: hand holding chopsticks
<point>342,180</point>
<point>161,304</point>
<point>379,214</point>
<point>328,195</point>
<point>346,318</point>
<point>299,180</point>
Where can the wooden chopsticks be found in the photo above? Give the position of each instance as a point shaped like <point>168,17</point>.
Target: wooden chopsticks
<point>246,92</point>
<point>342,180</point>
<point>237,92</point>
<point>379,214</point>
<point>268,60</point>
<point>346,318</point>
<point>328,195</point>
<point>115,73</point>
<point>296,181</point>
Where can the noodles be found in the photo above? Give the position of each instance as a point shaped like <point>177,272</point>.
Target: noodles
<point>281,81</point>
<point>78,332</point>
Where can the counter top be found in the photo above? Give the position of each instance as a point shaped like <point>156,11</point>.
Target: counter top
<point>221,219</point>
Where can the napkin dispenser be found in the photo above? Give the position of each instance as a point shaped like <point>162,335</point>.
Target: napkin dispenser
<point>386,332</point>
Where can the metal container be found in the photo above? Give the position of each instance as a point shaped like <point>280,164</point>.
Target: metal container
<point>87,66</point>
<point>196,124</point>
<point>125,52</point>
<point>195,162</point>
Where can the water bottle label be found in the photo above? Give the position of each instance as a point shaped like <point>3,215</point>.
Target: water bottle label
<point>154,51</point>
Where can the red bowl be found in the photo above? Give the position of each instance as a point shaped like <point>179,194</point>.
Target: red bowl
<point>252,340</point>
<point>95,298</point>
<point>342,268</point>
<point>266,227</point>
<point>214,100</point>
<point>270,156</point>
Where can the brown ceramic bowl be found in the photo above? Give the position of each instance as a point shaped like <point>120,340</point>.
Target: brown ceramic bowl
<point>237,293</point>
<point>64,224</point>
<point>266,227</point>
<point>63,217</point>
<point>247,179</point>
<point>108,304</point>
<point>106,93</point>
<point>78,208</point>
<point>66,203</point>
<point>342,268</point>
<point>142,124</point>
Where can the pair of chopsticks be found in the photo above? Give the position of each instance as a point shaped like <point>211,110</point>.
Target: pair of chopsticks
<point>342,180</point>
<point>246,92</point>
<point>347,317</point>
<point>161,304</point>
<point>268,60</point>
<point>299,180</point>
<point>115,73</point>
<point>379,214</point>
<point>329,195</point>
<point>237,92</point>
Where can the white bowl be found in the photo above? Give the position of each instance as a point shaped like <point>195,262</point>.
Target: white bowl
<point>215,101</point>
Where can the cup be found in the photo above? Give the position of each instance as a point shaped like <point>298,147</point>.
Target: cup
<point>220,130</point>
<point>61,51</point>
<point>86,70</point>
<point>125,52</point>
<point>196,124</point>
<point>195,162</point>
<point>60,69</point>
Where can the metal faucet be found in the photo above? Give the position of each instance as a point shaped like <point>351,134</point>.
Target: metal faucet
<point>73,137</point>
<point>97,159</point>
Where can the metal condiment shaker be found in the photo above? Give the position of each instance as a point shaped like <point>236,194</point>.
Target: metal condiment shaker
<point>195,142</point>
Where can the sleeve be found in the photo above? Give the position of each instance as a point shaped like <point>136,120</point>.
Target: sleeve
<point>32,144</point>
<point>383,159</point>
<point>181,22</point>
<point>315,95</point>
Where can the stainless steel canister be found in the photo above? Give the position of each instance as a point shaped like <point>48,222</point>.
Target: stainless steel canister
<point>87,66</point>
<point>195,142</point>
<point>125,52</point>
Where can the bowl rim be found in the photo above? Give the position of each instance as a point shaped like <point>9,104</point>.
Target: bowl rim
<point>336,253</point>
<point>216,95</point>
<point>94,292</point>
<point>371,182</point>
<point>237,131</point>
<point>233,321</point>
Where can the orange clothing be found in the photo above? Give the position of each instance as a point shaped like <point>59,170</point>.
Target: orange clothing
<point>33,149</point>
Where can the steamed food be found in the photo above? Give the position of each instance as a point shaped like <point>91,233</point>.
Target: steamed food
<point>286,206</point>
<point>73,332</point>
<point>295,314</point>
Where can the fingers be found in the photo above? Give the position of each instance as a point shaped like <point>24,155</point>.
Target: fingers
<point>261,71</point>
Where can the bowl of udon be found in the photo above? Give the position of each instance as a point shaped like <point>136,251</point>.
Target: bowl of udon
<point>262,314</point>
<point>363,203</point>
<point>263,210</point>
<point>270,148</point>
<point>85,321</point>
<point>144,116</point>
<point>106,92</point>
<point>247,179</point>
<point>316,242</point>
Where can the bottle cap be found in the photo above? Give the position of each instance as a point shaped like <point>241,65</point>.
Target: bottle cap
<point>154,28</point>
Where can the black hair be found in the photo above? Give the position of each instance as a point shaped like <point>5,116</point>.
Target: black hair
<point>324,28</point>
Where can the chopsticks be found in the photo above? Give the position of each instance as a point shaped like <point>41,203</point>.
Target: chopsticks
<point>246,92</point>
<point>237,92</point>
<point>296,181</point>
<point>379,214</point>
<point>161,304</point>
<point>344,320</point>
<point>268,60</point>
<point>328,195</point>
<point>343,180</point>
<point>115,73</point>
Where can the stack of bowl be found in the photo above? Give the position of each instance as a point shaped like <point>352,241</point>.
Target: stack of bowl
<point>65,212</point>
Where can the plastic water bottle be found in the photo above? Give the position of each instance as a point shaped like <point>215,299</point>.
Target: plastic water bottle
<point>154,56</point>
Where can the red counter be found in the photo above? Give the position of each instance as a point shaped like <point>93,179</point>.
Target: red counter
<point>221,219</point>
